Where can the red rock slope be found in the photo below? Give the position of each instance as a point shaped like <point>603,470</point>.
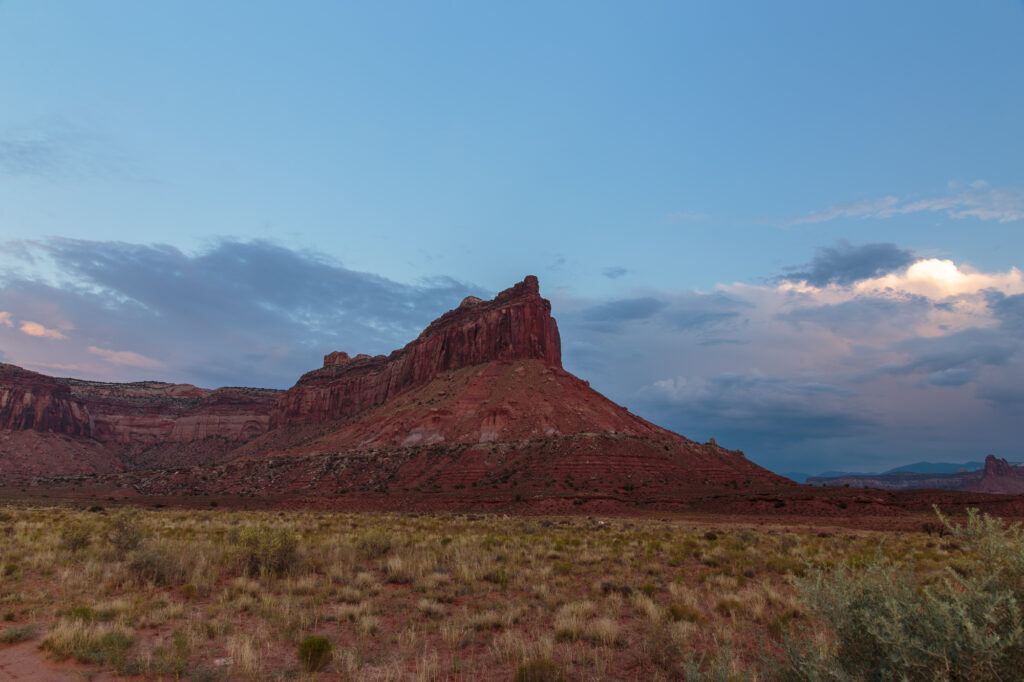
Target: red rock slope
<point>999,477</point>
<point>479,399</point>
<point>54,426</point>
<point>476,410</point>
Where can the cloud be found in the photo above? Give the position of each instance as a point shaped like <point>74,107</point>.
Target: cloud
<point>625,309</point>
<point>614,272</point>
<point>40,156</point>
<point>250,313</point>
<point>864,208</point>
<point>60,149</point>
<point>1009,309</point>
<point>5,319</point>
<point>879,365</point>
<point>956,359</point>
<point>845,263</point>
<point>126,358</point>
<point>888,359</point>
<point>977,200</point>
<point>36,329</point>
<point>768,407</point>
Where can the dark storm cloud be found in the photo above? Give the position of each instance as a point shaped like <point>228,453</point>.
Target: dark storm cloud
<point>956,359</point>
<point>845,263</point>
<point>1006,396</point>
<point>238,313</point>
<point>1009,309</point>
<point>771,410</point>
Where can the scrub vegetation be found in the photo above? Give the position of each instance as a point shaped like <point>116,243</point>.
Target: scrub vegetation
<point>238,595</point>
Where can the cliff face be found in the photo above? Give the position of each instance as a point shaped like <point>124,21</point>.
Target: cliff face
<point>479,399</point>
<point>148,412</point>
<point>32,401</point>
<point>999,476</point>
<point>107,426</point>
<point>515,325</point>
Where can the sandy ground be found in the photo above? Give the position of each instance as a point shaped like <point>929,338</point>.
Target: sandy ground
<point>24,661</point>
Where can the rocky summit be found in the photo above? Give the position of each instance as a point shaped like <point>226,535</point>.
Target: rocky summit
<point>477,409</point>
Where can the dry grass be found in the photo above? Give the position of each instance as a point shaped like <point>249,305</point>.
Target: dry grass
<point>411,597</point>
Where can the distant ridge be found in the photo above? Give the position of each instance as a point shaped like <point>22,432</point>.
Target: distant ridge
<point>995,475</point>
<point>916,468</point>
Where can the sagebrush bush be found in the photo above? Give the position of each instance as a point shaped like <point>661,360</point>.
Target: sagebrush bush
<point>888,624</point>
<point>268,550</point>
<point>314,653</point>
<point>75,537</point>
<point>124,533</point>
<point>539,670</point>
<point>156,564</point>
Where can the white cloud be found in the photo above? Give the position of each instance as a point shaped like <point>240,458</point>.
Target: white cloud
<point>892,367</point>
<point>5,319</point>
<point>939,279</point>
<point>125,358</point>
<point>976,200</point>
<point>36,329</point>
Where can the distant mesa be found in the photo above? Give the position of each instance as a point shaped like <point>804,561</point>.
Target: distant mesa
<point>997,476</point>
<point>478,407</point>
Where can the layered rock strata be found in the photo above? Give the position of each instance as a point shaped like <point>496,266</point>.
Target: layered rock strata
<point>515,325</point>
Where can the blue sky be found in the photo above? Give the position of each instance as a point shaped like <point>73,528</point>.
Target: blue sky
<point>712,194</point>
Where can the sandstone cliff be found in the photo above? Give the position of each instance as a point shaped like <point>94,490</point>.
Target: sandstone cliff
<point>999,476</point>
<point>113,426</point>
<point>479,400</point>
<point>516,325</point>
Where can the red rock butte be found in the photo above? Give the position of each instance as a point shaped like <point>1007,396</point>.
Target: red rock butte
<point>475,410</point>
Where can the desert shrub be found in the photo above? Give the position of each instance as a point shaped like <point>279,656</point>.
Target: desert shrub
<point>267,550</point>
<point>124,533</point>
<point>314,653</point>
<point>156,565</point>
<point>684,612</point>
<point>720,666</point>
<point>89,643</point>
<point>886,623</point>
<point>75,537</point>
<point>17,633</point>
<point>374,544</point>
<point>539,670</point>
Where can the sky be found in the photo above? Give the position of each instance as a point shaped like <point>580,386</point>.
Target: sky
<point>796,227</point>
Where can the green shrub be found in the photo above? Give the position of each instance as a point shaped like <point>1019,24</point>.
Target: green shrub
<point>887,623</point>
<point>539,670</point>
<point>156,565</point>
<point>75,537</point>
<point>17,633</point>
<point>124,533</point>
<point>268,550</point>
<point>374,544</point>
<point>314,653</point>
<point>684,612</point>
